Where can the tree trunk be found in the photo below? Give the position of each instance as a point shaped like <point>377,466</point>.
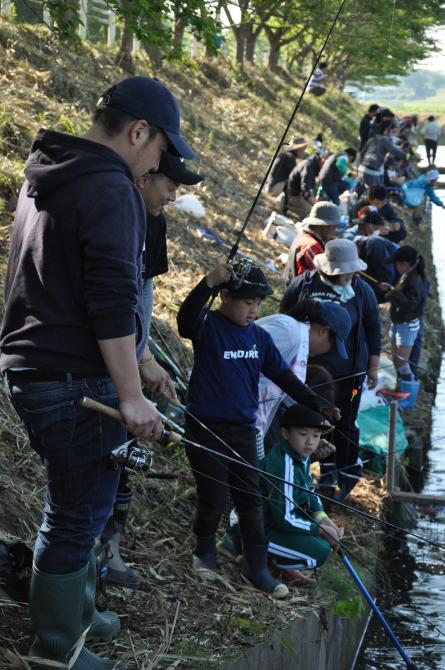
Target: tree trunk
<point>240,39</point>
<point>155,55</point>
<point>250,44</point>
<point>124,57</point>
<point>274,51</point>
<point>178,33</point>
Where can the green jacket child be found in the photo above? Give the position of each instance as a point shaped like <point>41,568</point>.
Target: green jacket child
<point>299,532</point>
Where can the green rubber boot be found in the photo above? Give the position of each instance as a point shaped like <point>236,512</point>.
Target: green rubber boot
<point>104,626</point>
<point>58,617</point>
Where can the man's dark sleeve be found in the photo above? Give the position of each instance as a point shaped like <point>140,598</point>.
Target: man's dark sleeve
<point>298,391</point>
<point>371,320</point>
<point>291,295</point>
<point>191,313</point>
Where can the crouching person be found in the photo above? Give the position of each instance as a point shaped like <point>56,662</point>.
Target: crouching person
<point>299,532</point>
<point>231,351</point>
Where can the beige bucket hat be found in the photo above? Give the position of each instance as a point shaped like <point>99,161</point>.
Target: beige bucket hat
<point>339,258</point>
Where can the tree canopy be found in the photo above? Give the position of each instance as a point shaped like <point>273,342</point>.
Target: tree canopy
<point>373,39</point>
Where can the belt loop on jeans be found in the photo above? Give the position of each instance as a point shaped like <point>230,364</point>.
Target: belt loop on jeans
<point>69,381</point>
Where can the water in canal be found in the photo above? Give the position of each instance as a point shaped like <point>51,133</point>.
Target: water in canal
<point>418,571</point>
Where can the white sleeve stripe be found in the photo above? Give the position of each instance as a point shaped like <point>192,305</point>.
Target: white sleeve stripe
<point>290,517</point>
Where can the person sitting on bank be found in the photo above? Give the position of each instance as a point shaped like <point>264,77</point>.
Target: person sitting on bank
<point>377,197</point>
<point>407,300</point>
<point>318,228</point>
<point>318,144</point>
<point>299,532</point>
<point>335,168</point>
<point>231,352</point>
<point>319,76</point>
<point>301,186</point>
<point>284,165</point>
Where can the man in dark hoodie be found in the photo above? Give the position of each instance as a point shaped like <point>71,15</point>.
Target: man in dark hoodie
<point>74,326</point>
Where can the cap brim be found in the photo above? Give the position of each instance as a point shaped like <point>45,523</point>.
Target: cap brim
<point>251,292</point>
<point>188,178</point>
<point>179,145</point>
<point>314,221</point>
<point>341,349</point>
<point>348,267</point>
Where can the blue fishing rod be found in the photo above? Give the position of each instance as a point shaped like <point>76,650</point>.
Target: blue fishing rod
<point>392,636</point>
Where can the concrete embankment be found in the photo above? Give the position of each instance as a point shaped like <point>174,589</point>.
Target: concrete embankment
<point>317,641</point>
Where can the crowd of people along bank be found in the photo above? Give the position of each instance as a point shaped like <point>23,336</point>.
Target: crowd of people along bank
<point>266,396</point>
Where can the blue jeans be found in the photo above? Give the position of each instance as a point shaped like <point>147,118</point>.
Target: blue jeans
<point>74,445</point>
<point>148,303</point>
<point>416,351</point>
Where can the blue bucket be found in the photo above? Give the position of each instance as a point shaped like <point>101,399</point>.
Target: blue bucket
<point>411,387</point>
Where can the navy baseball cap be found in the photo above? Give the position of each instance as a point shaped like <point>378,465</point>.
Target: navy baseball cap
<point>175,168</point>
<point>337,318</point>
<point>247,281</point>
<point>301,416</point>
<point>146,98</point>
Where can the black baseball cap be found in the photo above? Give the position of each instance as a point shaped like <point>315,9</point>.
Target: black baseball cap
<point>300,416</point>
<point>146,98</point>
<point>174,167</point>
<point>405,254</point>
<point>247,281</point>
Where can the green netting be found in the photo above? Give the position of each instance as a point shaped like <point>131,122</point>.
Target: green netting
<point>374,425</point>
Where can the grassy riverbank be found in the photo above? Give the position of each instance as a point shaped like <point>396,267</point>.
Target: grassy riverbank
<point>177,619</point>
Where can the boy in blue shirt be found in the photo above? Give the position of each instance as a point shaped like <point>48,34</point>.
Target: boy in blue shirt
<point>231,352</point>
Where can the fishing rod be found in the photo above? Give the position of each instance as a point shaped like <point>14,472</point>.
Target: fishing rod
<point>179,438</point>
<point>234,249</point>
<point>419,367</point>
<point>344,550</point>
<point>302,488</point>
<point>392,636</point>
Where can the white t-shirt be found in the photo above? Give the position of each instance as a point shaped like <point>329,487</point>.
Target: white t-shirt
<point>291,338</point>
<point>432,131</point>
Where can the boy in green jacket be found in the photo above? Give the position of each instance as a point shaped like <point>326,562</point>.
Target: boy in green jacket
<point>299,532</point>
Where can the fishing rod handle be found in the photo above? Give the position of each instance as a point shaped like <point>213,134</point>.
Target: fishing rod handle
<point>95,406</point>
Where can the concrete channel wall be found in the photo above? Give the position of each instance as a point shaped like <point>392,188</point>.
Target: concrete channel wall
<point>315,642</point>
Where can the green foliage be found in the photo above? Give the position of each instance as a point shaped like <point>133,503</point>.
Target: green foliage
<point>337,587</point>
<point>350,609</point>
<point>291,649</point>
<point>252,627</point>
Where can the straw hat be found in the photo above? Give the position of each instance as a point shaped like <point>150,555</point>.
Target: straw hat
<point>339,258</point>
<point>323,214</point>
<point>297,143</point>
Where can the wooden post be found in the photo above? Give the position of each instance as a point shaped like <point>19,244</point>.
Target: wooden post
<point>111,35</point>
<point>83,15</point>
<point>390,463</point>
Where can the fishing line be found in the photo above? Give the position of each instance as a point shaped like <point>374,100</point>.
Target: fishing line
<point>234,249</point>
<point>265,476</point>
<point>302,488</point>
<point>390,33</point>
